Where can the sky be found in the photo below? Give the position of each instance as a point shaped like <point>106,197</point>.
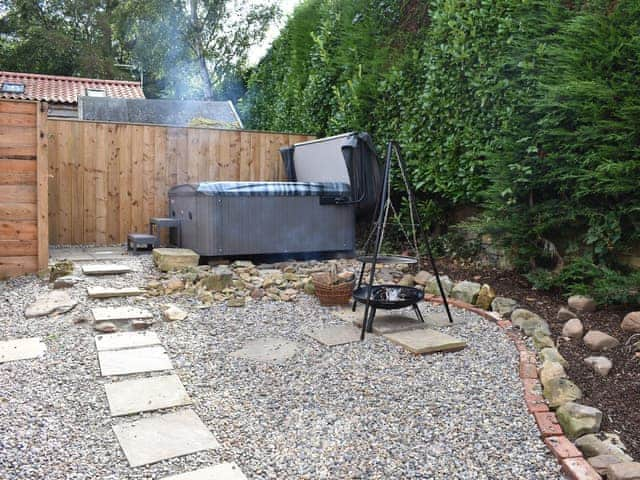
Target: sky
<point>258,51</point>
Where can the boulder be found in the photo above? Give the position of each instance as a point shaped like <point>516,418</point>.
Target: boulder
<point>559,391</point>
<point>601,365</point>
<point>504,306</point>
<point>288,295</point>
<point>274,278</point>
<point>172,259</point>
<point>52,302</point>
<point>140,324</point>
<point>309,288</point>
<point>573,328</point>
<point>236,302</point>
<point>242,264</point>
<point>565,314</point>
<point>541,340</point>
<point>59,269</point>
<point>174,284</point>
<point>423,277</point>
<point>257,293</point>
<point>218,279</point>
<point>582,303</point>
<point>486,295</point>
<point>600,463</point>
<point>598,341</point>
<point>551,371</point>
<point>407,280</point>
<point>529,322</point>
<point>577,420</point>
<point>105,327</point>
<point>432,286</point>
<point>67,281</point>
<point>601,443</point>
<point>466,291</point>
<point>631,322</point>
<point>553,355</point>
<point>171,313</point>
<point>624,471</point>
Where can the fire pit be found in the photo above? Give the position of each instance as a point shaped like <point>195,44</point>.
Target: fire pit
<point>389,297</point>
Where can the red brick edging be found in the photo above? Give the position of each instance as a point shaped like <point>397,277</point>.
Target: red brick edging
<point>573,463</point>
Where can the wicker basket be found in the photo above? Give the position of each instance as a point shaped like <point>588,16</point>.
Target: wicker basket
<point>330,293</point>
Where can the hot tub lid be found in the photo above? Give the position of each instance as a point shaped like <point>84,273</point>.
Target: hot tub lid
<point>272,189</point>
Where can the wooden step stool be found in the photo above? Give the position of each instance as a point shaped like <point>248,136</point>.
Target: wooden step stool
<point>138,239</point>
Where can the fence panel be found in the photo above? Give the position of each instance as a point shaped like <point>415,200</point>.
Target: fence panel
<point>107,179</point>
<point>24,241</point>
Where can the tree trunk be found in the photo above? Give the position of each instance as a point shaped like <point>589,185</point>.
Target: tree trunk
<point>202,61</point>
<point>206,78</point>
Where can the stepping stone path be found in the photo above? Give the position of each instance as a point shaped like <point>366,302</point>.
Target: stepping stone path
<point>133,360</point>
<point>146,394</point>
<point>21,349</point>
<point>426,341</point>
<point>111,314</point>
<point>105,269</point>
<point>224,471</point>
<point>108,292</point>
<point>336,335</point>
<point>164,436</point>
<point>117,341</point>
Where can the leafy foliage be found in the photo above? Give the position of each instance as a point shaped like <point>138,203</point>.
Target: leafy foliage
<point>582,277</point>
<point>527,107</point>
<point>186,48</point>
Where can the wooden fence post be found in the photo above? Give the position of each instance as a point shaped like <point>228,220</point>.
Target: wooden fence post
<point>42,169</point>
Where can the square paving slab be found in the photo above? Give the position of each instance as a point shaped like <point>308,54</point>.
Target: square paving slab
<point>133,360</point>
<point>21,349</point>
<point>224,471</point>
<point>108,292</point>
<point>426,341</point>
<point>386,322</point>
<point>117,341</point>
<point>268,349</point>
<point>105,269</point>
<point>110,314</point>
<point>336,335</point>
<point>145,394</point>
<point>157,438</point>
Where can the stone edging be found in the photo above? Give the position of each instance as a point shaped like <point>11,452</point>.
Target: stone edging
<point>572,461</point>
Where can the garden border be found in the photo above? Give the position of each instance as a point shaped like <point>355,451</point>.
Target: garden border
<point>572,461</point>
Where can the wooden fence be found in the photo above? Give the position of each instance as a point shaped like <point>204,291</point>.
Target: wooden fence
<point>24,240</point>
<point>107,179</point>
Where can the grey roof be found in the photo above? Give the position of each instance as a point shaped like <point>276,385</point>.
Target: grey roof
<point>161,112</point>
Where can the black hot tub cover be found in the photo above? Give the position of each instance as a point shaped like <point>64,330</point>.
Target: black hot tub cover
<point>272,189</point>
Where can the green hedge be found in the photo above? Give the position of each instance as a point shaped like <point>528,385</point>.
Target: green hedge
<point>528,108</point>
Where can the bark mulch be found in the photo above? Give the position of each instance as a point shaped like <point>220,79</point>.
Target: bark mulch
<point>618,394</point>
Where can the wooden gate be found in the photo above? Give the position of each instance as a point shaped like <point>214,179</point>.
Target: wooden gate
<point>24,237</point>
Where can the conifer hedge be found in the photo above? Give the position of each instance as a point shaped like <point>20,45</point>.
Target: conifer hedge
<point>528,108</point>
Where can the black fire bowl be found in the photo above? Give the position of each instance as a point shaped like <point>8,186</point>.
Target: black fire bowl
<point>388,297</point>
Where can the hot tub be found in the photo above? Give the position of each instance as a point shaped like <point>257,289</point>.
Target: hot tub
<point>251,218</point>
<point>331,180</point>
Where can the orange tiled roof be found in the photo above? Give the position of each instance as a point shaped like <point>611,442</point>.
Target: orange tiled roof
<point>52,88</point>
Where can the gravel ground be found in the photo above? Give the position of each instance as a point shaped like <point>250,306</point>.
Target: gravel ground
<point>360,411</point>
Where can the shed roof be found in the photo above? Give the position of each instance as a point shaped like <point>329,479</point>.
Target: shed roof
<point>59,89</point>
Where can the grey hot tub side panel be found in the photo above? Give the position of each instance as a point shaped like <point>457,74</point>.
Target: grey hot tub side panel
<point>243,225</point>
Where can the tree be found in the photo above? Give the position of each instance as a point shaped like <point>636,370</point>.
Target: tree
<point>183,38</point>
<point>72,37</point>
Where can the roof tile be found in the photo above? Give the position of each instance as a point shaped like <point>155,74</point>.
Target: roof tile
<point>59,89</point>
